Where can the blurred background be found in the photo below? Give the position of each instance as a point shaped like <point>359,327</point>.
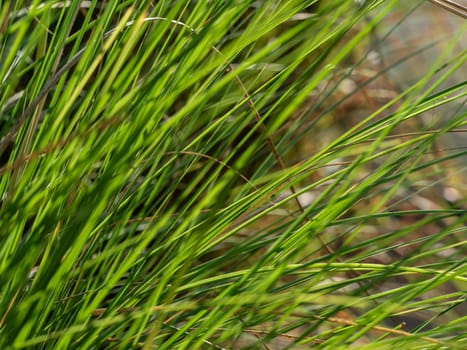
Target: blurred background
<point>421,26</point>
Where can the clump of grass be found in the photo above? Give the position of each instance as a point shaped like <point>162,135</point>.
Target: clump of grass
<point>156,192</point>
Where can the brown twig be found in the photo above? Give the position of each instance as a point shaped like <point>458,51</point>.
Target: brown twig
<point>452,6</point>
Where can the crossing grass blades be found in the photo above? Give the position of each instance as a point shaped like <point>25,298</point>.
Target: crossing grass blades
<point>177,175</point>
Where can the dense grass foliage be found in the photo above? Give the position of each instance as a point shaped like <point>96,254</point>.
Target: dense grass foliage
<point>185,174</point>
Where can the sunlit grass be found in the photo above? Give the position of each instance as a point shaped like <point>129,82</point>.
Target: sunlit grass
<point>155,193</point>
